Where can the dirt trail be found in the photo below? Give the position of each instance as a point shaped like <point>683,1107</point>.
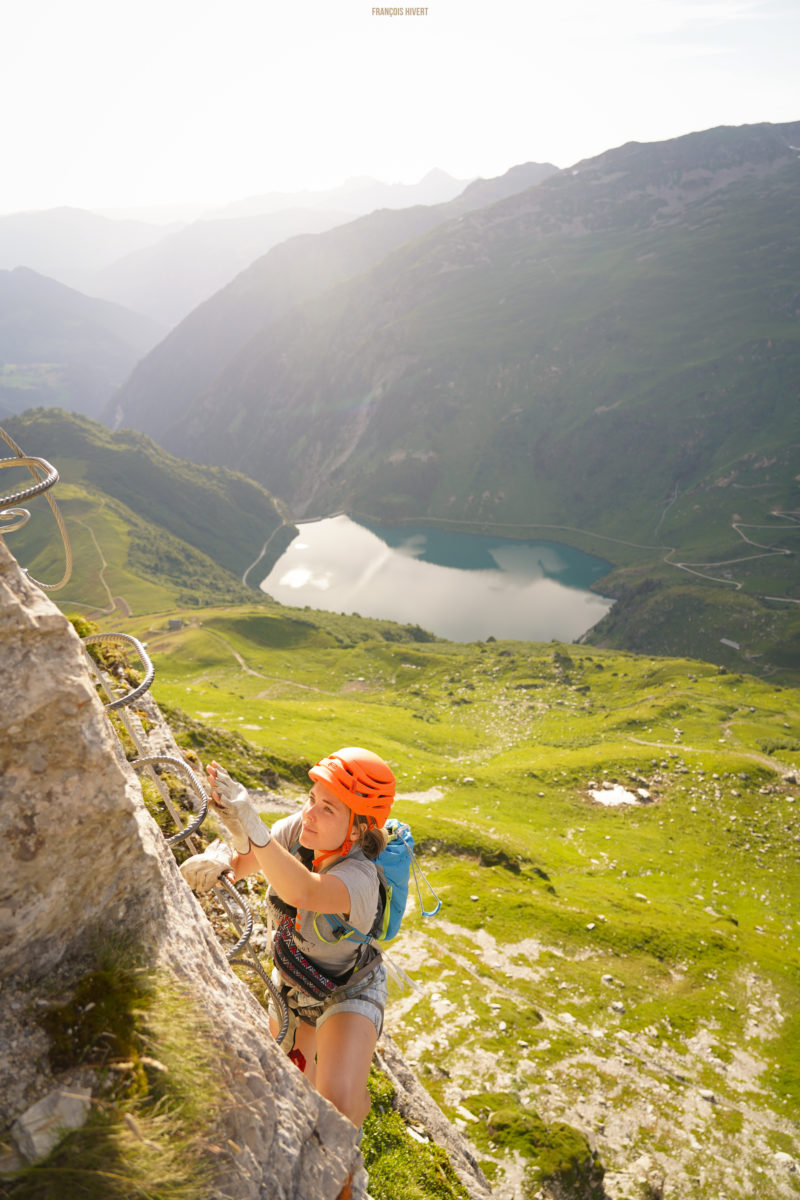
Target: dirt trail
<point>260,674</point>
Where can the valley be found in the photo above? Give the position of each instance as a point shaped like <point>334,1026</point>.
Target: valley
<point>624,977</point>
<point>745,617</point>
<point>612,352</point>
<point>606,357</point>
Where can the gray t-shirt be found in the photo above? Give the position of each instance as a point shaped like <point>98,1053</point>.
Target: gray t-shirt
<point>360,876</point>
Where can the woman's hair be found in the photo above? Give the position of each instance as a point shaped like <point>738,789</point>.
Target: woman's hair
<point>372,841</point>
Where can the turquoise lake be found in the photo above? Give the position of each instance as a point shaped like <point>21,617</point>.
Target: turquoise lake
<point>461,586</point>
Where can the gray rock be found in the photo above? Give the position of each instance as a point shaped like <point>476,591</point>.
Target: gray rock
<point>40,1128</point>
<point>82,852</point>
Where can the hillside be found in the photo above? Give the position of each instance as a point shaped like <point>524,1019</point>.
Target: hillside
<point>624,977</point>
<point>597,322</point>
<point>612,353</point>
<point>170,278</point>
<point>59,347</point>
<point>147,530</point>
<point>164,390</point>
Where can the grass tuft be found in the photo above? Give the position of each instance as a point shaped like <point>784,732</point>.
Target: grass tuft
<point>398,1164</point>
<point>150,1129</point>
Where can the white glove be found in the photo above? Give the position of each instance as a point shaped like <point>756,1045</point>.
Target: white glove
<point>236,810</point>
<point>202,871</point>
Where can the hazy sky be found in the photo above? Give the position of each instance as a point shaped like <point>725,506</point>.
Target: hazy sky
<point>114,103</point>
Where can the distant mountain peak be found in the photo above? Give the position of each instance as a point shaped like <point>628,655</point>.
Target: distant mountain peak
<point>358,195</point>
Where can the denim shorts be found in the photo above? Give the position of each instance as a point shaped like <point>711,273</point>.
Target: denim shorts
<point>368,999</point>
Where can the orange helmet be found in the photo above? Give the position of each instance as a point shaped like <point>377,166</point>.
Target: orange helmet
<point>360,779</point>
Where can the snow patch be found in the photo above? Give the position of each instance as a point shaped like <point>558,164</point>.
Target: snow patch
<point>614,795</point>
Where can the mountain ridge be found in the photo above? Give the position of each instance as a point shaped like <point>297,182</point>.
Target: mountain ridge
<point>384,333</point>
<point>543,211</point>
<point>291,273</point>
<point>360,195</point>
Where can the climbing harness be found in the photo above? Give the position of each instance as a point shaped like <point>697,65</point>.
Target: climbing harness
<point>304,976</point>
<point>294,965</point>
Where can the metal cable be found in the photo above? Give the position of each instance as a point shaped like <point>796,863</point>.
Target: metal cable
<point>20,516</point>
<point>125,639</point>
<point>225,892</point>
<point>280,1002</point>
<point>33,464</point>
<point>252,961</point>
<point>180,765</point>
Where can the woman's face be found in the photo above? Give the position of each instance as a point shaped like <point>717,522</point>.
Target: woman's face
<point>325,819</point>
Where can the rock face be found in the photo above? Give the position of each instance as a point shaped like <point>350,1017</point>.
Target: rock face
<point>78,843</point>
<point>81,852</point>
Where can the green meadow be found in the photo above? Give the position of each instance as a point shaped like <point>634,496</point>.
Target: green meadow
<point>605,986</point>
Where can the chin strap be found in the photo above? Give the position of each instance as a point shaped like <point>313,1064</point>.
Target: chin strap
<point>342,852</point>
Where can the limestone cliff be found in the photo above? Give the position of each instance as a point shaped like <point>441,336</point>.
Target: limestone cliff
<point>82,854</point>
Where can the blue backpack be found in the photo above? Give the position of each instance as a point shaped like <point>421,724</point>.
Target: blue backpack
<point>395,867</point>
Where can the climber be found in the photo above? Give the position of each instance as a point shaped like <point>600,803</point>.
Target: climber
<point>320,861</point>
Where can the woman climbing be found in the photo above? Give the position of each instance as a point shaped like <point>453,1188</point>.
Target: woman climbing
<point>318,862</point>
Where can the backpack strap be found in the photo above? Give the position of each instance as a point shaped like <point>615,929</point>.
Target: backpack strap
<point>342,929</point>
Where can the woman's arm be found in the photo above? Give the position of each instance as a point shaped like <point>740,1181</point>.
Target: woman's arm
<point>292,880</point>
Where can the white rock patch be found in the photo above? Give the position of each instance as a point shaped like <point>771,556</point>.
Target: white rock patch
<point>614,795</point>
